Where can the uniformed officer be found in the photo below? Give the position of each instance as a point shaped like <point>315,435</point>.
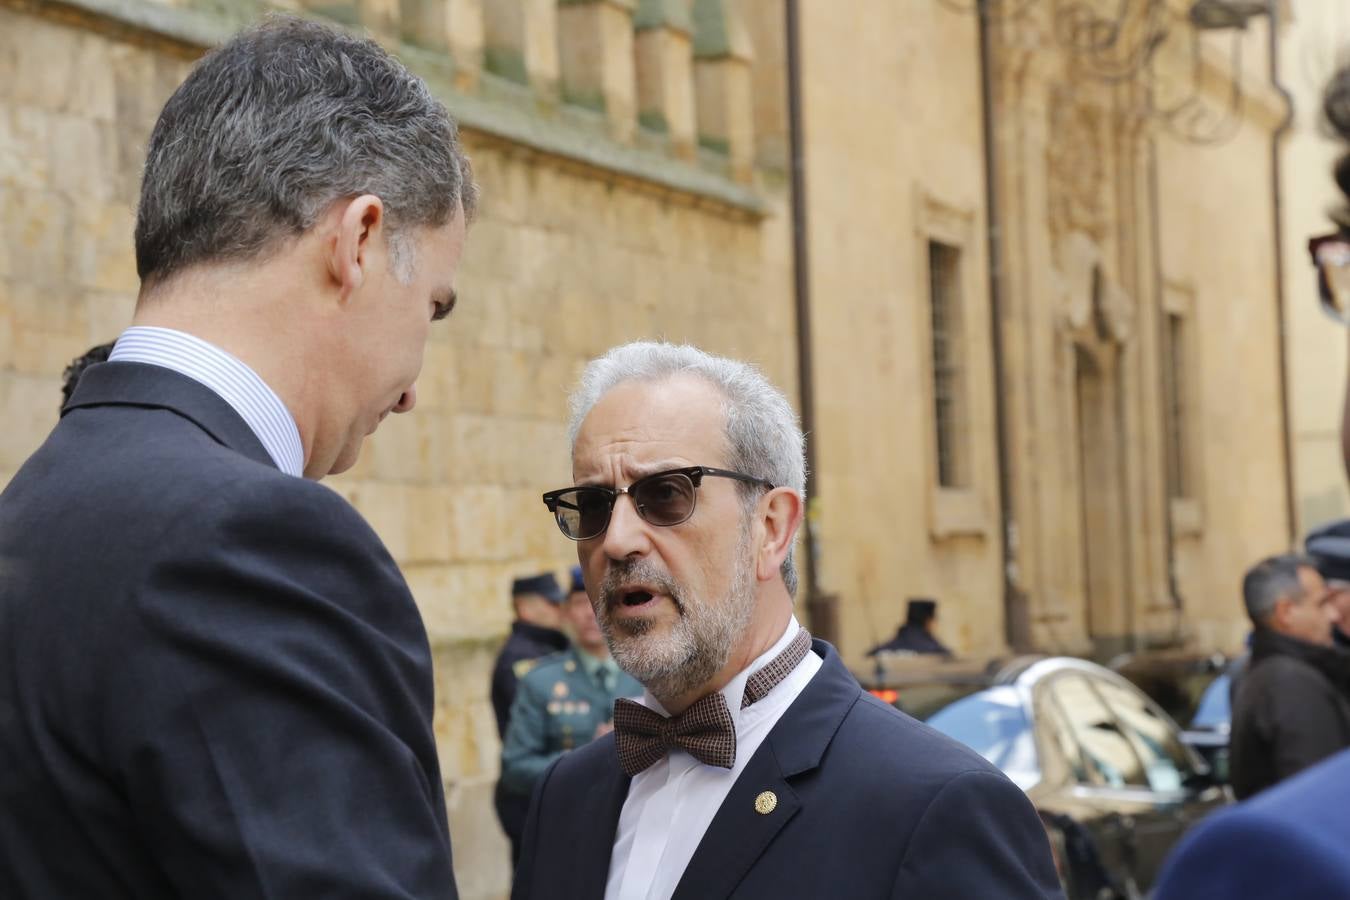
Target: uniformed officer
<point>535,633</point>
<point>566,700</point>
<point>916,635</point>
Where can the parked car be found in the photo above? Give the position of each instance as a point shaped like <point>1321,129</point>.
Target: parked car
<point>1191,688</point>
<point>1211,726</point>
<point>1105,766</point>
<point>1175,679</point>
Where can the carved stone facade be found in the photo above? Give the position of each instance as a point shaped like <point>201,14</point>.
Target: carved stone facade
<point>1098,206</point>
<point>1115,205</point>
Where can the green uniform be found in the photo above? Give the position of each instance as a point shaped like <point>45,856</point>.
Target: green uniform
<point>559,705</point>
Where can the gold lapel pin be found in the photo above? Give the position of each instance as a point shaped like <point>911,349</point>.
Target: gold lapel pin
<point>766,803</point>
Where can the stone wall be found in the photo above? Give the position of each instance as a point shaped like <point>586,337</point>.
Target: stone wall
<point>894,160</point>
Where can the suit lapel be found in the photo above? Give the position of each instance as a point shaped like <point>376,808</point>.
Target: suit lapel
<point>740,833</point>
<point>599,809</point>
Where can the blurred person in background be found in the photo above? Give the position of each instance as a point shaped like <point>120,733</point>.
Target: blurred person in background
<point>564,701</point>
<point>71,376</point>
<point>1293,708</point>
<point>917,634</point>
<point>1329,547</point>
<point>535,634</point>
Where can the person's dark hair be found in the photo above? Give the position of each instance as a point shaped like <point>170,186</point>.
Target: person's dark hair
<point>1336,111</point>
<point>1271,579</point>
<point>71,376</point>
<point>920,611</point>
<point>273,127</point>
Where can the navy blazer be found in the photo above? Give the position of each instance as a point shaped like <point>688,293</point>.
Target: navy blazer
<point>1286,843</point>
<point>214,682</point>
<point>871,804</point>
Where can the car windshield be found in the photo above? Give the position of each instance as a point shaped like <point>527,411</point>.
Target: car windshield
<point>994,724</point>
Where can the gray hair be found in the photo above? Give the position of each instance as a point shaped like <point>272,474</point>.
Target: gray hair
<point>1271,580</point>
<point>277,124</point>
<point>763,436</point>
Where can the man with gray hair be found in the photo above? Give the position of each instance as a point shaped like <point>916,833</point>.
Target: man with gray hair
<point>754,765</point>
<point>1292,708</point>
<point>226,690</point>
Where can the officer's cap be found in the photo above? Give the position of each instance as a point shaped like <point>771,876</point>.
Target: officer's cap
<point>544,584</point>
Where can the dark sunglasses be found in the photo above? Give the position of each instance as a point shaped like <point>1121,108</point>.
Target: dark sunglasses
<point>663,498</point>
<point>1331,255</point>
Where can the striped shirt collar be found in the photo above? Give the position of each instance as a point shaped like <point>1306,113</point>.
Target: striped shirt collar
<point>226,375</point>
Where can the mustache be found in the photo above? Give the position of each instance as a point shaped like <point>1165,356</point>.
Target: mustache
<point>644,571</point>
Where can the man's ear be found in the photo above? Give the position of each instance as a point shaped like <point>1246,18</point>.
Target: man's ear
<point>1279,615</point>
<point>350,250</point>
<point>780,515</point>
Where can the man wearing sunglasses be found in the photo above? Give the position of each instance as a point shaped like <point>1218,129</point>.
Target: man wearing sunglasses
<point>754,765</point>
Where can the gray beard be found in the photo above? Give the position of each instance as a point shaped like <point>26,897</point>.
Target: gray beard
<point>701,640</point>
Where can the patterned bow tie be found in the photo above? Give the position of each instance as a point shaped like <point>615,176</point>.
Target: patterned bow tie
<point>705,730</point>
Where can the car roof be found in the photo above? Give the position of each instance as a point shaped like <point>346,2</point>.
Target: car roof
<point>911,670</point>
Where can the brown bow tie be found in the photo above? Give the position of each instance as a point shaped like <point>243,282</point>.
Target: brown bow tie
<point>705,730</point>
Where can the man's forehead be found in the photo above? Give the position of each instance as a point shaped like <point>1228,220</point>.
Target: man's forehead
<point>675,418</point>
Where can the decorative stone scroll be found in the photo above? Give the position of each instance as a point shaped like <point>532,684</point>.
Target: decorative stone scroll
<point>1090,305</point>
<point>1074,161</point>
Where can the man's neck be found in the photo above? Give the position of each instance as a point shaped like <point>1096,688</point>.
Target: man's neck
<point>250,314</point>
<point>599,654</point>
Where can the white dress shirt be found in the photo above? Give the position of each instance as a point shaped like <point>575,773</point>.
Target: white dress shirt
<point>225,375</point>
<point>670,805</point>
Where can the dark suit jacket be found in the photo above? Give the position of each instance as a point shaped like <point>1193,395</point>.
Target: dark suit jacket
<point>871,804</point>
<point>1287,843</point>
<point>1292,711</point>
<point>214,682</point>
<point>527,643</point>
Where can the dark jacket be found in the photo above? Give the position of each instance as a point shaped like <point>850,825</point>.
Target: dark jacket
<point>1292,710</point>
<point>871,804</point>
<point>215,683</point>
<point>525,644</point>
<point>1287,844</point>
<point>559,706</point>
<point>914,639</point>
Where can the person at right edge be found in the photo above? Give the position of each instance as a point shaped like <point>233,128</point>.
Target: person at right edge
<point>1288,842</point>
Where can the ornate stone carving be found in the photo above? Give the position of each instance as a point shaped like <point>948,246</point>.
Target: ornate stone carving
<point>1115,312</point>
<point>1074,165</point>
<point>1077,258</point>
<point>1090,305</point>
